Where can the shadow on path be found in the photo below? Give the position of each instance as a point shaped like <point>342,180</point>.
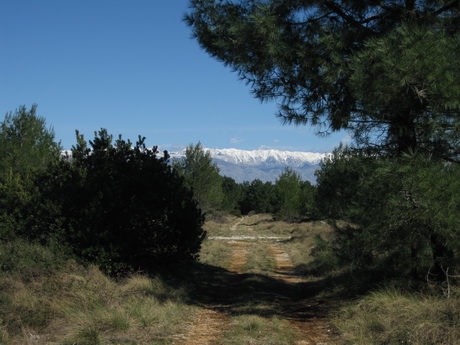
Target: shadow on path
<point>244,293</point>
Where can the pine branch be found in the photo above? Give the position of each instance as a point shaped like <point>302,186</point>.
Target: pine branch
<point>337,10</point>
<point>450,6</point>
<point>312,20</point>
<point>374,17</point>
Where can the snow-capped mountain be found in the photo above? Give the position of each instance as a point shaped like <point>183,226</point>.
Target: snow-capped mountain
<point>266,165</point>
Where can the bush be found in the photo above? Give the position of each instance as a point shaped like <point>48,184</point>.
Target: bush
<point>118,206</point>
<point>25,259</point>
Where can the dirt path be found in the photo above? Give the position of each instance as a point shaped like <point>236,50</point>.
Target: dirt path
<point>237,223</point>
<point>210,322</point>
<point>314,330</point>
<point>207,327</point>
<point>239,256</point>
<point>223,291</point>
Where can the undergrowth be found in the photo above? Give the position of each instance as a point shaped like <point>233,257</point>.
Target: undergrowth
<point>70,304</point>
<point>215,253</point>
<point>390,316</point>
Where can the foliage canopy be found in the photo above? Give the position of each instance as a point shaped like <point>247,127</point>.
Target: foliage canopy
<point>27,146</point>
<point>385,70</point>
<point>401,212</point>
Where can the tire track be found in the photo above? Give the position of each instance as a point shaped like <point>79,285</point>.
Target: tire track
<point>205,329</point>
<point>223,292</point>
<point>306,316</point>
<point>239,256</point>
<point>210,322</point>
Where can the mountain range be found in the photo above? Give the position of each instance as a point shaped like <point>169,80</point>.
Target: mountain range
<point>265,165</point>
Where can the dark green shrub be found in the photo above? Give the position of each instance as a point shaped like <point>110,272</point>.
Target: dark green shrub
<point>400,212</point>
<point>118,206</point>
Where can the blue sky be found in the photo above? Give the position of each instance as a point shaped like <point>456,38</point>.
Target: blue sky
<point>133,68</point>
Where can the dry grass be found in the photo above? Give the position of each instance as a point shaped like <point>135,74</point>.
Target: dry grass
<point>392,317</point>
<point>259,260</point>
<point>42,304</point>
<point>302,241</point>
<point>83,306</point>
<point>257,330</point>
<point>221,226</point>
<point>215,253</point>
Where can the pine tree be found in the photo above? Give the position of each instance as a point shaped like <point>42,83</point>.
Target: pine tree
<point>201,175</point>
<point>386,71</point>
<point>399,211</point>
<point>27,147</point>
<point>26,143</point>
<point>288,188</point>
<point>232,195</point>
<point>258,197</point>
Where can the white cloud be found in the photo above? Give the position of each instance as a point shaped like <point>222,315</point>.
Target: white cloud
<point>235,140</point>
<point>346,139</point>
<point>265,147</point>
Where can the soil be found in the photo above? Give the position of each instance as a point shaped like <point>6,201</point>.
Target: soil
<point>306,315</point>
<point>222,292</point>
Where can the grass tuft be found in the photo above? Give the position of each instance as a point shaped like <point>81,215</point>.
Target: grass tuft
<point>256,330</point>
<point>259,260</point>
<point>86,336</point>
<point>390,316</point>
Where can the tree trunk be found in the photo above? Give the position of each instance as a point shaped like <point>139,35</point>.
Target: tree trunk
<point>404,132</point>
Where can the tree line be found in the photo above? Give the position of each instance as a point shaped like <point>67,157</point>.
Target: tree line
<point>288,198</point>
<point>120,204</point>
<point>124,206</point>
